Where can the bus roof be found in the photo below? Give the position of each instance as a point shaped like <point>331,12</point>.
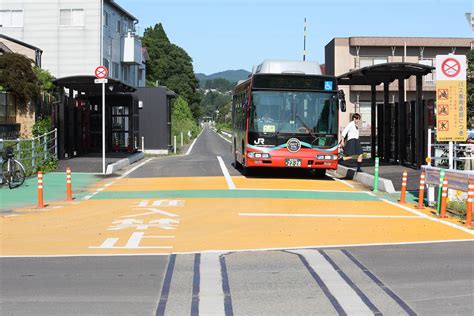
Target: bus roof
<point>280,66</point>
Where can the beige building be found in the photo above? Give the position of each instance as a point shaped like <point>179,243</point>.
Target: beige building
<point>14,124</point>
<point>343,55</point>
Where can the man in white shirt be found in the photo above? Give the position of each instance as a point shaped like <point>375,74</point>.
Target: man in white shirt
<point>352,145</point>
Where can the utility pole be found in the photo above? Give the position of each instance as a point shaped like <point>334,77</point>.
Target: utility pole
<point>304,41</point>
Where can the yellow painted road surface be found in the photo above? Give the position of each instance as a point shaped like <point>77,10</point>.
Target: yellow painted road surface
<point>152,224</point>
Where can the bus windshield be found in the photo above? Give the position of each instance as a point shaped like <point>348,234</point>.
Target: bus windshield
<point>294,112</point>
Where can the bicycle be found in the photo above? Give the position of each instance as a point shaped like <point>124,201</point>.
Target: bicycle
<point>12,170</point>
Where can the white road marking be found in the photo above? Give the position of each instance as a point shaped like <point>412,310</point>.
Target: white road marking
<point>87,197</point>
<point>211,294</point>
<point>227,140</point>
<point>339,180</point>
<point>152,211</point>
<point>238,250</point>
<point>464,229</point>
<point>299,190</point>
<point>324,215</point>
<point>345,295</point>
<point>230,183</point>
<point>192,145</point>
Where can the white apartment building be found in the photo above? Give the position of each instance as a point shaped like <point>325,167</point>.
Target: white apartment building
<point>77,36</point>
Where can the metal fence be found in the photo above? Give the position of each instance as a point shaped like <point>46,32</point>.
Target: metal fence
<point>452,155</point>
<point>34,151</point>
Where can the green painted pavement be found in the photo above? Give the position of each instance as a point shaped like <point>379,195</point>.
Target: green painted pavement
<point>54,189</point>
<point>226,194</point>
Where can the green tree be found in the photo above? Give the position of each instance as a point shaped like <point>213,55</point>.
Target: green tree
<point>45,80</point>
<point>182,119</point>
<point>171,66</point>
<point>18,77</point>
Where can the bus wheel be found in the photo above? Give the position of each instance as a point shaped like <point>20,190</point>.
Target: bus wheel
<point>320,173</point>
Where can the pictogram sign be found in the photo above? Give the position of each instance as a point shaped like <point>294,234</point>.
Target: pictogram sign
<point>451,97</point>
<point>101,72</point>
<point>443,109</point>
<point>450,67</point>
<point>443,94</point>
<point>443,125</point>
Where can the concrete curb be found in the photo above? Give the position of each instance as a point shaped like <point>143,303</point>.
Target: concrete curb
<point>111,168</point>
<point>365,178</point>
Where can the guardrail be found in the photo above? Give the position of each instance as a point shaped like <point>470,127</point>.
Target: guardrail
<point>449,155</point>
<point>34,151</point>
<point>457,180</point>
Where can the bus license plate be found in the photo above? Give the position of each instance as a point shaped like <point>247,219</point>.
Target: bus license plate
<point>292,162</point>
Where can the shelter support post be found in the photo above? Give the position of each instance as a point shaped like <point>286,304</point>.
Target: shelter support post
<point>380,130</point>
<point>373,115</point>
<point>402,150</point>
<point>413,148</point>
<point>386,122</point>
<point>419,126</point>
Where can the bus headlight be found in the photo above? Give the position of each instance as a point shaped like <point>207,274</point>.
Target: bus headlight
<point>259,155</point>
<point>326,157</point>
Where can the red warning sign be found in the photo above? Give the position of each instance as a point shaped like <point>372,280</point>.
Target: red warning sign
<point>101,72</point>
<point>450,67</point>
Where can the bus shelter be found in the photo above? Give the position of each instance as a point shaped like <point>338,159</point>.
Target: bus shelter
<point>79,116</point>
<point>398,130</point>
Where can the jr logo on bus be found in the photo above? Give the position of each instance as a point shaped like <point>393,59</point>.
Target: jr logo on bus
<point>293,145</point>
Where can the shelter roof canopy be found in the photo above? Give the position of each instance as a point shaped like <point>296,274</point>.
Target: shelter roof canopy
<point>380,73</point>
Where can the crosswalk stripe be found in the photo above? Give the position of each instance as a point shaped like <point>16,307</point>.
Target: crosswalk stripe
<point>196,281</point>
<point>211,296</point>
<point>166,286</point>
<point>226,288</point>
<point>335,303</point>
<point>380,284</point>
<point>356,289</point>
<point>350,302</point>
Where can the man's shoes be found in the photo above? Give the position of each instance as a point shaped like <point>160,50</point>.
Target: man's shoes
<point>359,170</point>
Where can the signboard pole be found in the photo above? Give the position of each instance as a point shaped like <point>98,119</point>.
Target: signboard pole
<point>101,73</point>
<point>103,127</point>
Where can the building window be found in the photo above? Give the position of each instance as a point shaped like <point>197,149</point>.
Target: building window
<point>115,70</point>
<point>106,64</point>
<point>125,73</point>
<point>118,28</point>
<point>11,18</point>
<point>370,61</point>
<point>71,17</point>
<point>429,78</point>
<point>106,18</point>
<point>7,108</point>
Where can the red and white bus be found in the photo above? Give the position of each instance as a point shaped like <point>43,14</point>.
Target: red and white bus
<point>286,115</point>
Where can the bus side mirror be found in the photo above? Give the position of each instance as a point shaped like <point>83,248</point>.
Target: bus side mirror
<point>341,98</point>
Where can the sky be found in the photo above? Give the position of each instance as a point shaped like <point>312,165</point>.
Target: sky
<point>229,34</point>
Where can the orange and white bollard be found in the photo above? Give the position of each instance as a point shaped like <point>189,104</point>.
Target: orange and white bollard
<point>404,187</point>
<point>68,185</point>
<point>421,194</point>
<point>470,199</point>
<point>40,190</point>
<point>444,196</point>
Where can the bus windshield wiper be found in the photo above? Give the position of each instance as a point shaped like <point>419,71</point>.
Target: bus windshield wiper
<point>307,128</point>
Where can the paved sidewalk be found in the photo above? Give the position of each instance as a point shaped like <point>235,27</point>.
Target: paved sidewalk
<point>390,172</point>
<point>54,188</point>
<point>90,163</point>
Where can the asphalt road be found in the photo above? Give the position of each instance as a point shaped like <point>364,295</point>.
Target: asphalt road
<point>414,278</point>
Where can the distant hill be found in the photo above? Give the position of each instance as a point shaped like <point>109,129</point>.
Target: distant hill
<point>230,75</point>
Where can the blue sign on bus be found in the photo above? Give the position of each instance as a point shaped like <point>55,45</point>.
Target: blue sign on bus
<point>327,85</point>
